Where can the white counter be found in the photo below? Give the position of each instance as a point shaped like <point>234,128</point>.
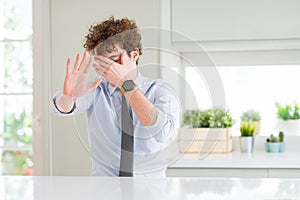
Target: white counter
<point>258,159</point>
<point>90,188</point>
<point>258,164</point>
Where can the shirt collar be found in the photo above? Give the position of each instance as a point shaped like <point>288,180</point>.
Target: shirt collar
<point>138,81</point>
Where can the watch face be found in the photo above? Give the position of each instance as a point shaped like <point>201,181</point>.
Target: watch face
<point>128,85</point>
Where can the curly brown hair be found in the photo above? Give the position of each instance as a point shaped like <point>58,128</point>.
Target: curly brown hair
<point>104,36</point>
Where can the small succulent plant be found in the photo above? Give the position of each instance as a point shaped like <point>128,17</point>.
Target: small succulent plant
<point>247,128</point>
<point>279,138</point>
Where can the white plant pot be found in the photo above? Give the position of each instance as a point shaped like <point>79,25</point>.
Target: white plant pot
<point>247,144</point>
<point>289,127</point>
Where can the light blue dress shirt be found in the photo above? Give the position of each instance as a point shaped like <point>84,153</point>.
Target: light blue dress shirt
<point>103,108</point>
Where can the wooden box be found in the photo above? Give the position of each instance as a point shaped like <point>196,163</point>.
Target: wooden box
<point>205,140</point>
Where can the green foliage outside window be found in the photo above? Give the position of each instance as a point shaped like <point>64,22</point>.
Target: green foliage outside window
<point>17,132</point>
<point>17,162</point>
<point>288,111</point>
<point>17,129</point>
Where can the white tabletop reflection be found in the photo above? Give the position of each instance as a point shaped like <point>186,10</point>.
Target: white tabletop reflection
<point>61,188</point>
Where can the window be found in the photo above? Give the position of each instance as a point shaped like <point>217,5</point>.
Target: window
<point>16,95</point>
<point>246,87</point>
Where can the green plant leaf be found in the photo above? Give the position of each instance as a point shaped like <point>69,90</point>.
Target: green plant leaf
<point>213,118</point>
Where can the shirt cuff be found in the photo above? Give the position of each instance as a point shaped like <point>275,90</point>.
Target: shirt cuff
<point>55,109</point>
<point>54,102</point>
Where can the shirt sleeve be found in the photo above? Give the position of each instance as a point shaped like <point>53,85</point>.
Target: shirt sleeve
<point>82,104</point>
<point>168,115</point>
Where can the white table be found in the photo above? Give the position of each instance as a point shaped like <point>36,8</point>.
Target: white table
<point>258,164</point>
<point>99,188</point>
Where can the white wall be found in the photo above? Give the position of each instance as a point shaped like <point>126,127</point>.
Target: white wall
<point>214,20</point>
<point>235,32</point>
<point>70,20</point>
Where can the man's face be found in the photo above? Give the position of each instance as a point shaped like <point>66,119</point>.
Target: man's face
<point>115,54</point>
<point>116,63</point>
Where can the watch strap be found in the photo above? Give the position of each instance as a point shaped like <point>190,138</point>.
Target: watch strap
<point>122,90</point>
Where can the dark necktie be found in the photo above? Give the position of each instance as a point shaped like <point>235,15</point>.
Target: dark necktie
<point>126,163</point>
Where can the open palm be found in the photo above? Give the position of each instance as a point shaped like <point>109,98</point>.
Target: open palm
<point>76,81</point>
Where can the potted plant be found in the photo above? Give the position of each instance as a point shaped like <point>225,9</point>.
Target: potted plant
<point>288,118</point>
<point>209,118</point>
<point>206,130</point>
<point>254,116</point>
<point>275,143</point>
<point>247,129</point>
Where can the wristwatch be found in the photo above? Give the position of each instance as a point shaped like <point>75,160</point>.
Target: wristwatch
<point>128,85</point>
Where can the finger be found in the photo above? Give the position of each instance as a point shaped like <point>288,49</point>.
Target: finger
<point>103,60</point>
<point>76,65</point>
<point>122,57</point>
<point>102,65</point>
<point>89,65</point>
<point>82,63</point>
<point>100,71</point>
<point>68,66</point>
<point>98,66</point>
<point>94,84</point>
<point>96,63</point>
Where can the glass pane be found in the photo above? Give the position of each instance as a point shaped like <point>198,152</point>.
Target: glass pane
<point>16,77</point>
<point>16,121</point>
<point>251,87</point>
<point>17,72</point>
<point>259,87</point>
<point>17,19</point>
<point>16,162</point>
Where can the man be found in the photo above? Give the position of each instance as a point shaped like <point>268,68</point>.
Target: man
<point>115,47</point>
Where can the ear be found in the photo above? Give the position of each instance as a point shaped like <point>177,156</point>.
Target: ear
<point>134,55</point>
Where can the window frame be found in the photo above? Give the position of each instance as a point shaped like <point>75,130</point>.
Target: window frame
<point>42,143</point>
